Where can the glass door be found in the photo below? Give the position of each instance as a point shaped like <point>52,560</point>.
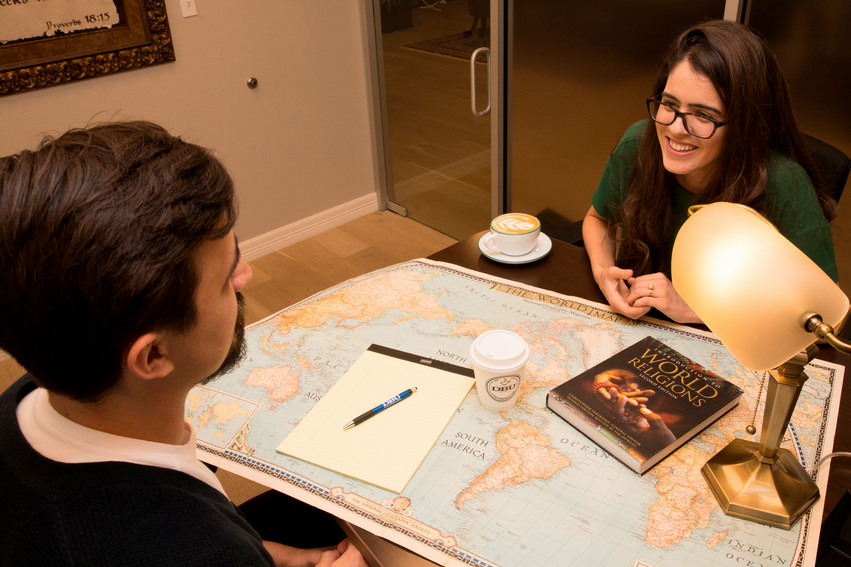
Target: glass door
<point>578,76</point>
<point>439,150</point>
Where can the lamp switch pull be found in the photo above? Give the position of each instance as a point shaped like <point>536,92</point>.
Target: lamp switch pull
<point>188,7</point>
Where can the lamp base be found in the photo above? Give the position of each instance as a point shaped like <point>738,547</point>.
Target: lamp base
<point>773,491</point>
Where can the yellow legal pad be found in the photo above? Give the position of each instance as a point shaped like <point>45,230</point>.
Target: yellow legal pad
<point>387,449</point>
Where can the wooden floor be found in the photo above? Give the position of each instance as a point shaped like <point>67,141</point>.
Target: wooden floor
<point>357,247</point>
<point>298,271</point>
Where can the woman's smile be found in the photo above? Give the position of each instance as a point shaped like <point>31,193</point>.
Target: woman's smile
<point>679,147</point>
<point>693,161</point>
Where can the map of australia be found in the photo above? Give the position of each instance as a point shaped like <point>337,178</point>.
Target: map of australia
<point>519,487</point>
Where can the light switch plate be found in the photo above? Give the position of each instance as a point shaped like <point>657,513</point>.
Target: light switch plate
<point>188,7</point>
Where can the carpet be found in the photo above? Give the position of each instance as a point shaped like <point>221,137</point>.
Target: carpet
<point>455,45</point>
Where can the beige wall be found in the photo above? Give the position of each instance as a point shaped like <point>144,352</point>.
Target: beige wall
<point>299,144</point>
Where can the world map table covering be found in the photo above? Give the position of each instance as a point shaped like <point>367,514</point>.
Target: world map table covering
<point>513,488</point>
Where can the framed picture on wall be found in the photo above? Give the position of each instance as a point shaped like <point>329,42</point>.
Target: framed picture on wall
<point>51,42</point>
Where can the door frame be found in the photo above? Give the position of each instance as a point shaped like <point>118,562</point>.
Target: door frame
<point>500,162</point>
<point>371,18</point>
<point>371,22</point>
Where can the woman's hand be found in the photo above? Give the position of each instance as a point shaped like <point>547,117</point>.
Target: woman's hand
<point>657,291</point>
<point>613,283</point>
<point>610,278</point>
<point>626,294</point>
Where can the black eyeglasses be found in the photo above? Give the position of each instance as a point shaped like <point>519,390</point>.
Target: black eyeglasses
<point>698,125</point>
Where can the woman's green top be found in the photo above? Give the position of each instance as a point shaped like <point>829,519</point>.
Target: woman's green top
<point>793,205</point>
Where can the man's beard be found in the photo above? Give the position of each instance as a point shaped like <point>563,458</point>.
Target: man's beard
<point>238,348</point>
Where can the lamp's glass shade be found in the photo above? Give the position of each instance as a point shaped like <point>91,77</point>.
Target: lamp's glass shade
<point>750,285</point>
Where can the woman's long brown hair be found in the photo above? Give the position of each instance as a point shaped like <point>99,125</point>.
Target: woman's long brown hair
<point>745,72</point>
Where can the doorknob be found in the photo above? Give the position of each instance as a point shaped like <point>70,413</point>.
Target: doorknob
<point>473,57</point>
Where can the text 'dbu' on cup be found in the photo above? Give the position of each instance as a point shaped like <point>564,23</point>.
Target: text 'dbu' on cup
<point>499,359</point>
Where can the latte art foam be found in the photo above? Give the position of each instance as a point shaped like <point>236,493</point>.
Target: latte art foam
<point>515,223</point>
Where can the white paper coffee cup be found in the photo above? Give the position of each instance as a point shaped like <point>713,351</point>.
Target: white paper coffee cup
<point>499,361</point>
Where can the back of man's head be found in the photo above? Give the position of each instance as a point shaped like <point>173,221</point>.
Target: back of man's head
<point>98,229</point>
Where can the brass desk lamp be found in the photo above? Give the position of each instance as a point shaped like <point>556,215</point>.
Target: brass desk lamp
<point>768,303</point>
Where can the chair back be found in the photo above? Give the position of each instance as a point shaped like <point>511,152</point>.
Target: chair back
<point>833,165</point>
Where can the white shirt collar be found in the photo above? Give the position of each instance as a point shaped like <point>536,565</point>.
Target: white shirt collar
<point>60,439</point>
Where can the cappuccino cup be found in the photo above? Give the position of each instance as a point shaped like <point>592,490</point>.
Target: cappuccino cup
<point>499,361</point>
<point>513,234</point>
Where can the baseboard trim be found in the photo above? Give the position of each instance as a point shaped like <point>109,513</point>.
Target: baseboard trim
<point>271,241</point>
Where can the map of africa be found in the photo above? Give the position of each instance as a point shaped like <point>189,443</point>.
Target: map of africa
<point>520,487</point>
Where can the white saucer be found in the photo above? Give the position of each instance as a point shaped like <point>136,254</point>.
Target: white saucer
<point>541,249</point>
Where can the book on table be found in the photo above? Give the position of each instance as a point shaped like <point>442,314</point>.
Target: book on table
<point>643,402</point>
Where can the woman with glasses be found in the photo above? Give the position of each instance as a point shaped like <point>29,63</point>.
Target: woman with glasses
<point>721,128</point>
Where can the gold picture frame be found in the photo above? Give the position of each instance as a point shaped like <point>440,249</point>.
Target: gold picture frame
<point>142,38</point>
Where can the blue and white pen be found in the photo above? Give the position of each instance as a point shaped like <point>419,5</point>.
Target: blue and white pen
<point>378,409</point>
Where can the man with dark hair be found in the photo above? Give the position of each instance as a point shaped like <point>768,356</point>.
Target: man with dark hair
<point>120,279</point>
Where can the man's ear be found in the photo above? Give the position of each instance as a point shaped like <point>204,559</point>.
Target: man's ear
<point>148,357</point>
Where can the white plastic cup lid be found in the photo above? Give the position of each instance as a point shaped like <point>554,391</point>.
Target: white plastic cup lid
<point>499,349</point>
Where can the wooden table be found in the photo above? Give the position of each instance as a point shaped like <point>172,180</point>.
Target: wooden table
<point>567,270</point>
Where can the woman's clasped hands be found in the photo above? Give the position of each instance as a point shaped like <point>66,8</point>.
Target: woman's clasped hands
<point>635,296</point>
